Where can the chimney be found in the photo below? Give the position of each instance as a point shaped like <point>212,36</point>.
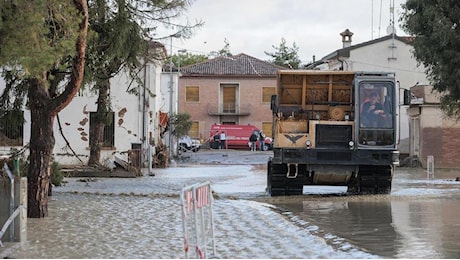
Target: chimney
<point>346,38</point>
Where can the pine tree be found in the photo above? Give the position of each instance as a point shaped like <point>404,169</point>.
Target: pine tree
<point>43,42</point>
<point>285,56</point>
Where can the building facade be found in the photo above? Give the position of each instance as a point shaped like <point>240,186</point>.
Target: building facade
<point>227,90</point>
<point>432,132</point>
<point>136,106</point>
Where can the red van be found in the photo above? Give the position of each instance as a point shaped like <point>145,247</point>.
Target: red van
<point>237,136</point>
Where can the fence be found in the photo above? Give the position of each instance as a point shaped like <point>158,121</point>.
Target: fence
<point>13,204</point>
<point>198,221</point>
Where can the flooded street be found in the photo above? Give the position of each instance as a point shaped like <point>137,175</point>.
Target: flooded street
<point>140,217</point>
<point>418,220</point>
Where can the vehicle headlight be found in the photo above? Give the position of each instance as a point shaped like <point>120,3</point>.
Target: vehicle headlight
<point>308,143</point>
<point>351,144</point>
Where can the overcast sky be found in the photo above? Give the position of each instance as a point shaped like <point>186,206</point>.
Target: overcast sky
<point>255,26</point>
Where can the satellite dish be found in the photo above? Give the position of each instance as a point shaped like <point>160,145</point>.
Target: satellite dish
<point>391,29</point>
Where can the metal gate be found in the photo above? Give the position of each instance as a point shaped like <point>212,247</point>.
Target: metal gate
<point>17,231</point>
<point>198,221</point>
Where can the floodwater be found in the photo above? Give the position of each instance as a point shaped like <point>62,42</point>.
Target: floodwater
<point>140,218</point>
<point>420,219</point>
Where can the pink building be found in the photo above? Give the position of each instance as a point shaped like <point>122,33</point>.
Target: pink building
<point>227,90</point>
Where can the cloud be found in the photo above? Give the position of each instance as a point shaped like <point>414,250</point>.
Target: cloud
<point>254,26</point>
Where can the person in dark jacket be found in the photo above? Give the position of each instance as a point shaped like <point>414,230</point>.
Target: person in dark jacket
<point>253,140</point>
<point>261,140</point>
<point>373,113</point>
<point>216,139</point>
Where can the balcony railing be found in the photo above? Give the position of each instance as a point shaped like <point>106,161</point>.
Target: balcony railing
<point>233,109</point>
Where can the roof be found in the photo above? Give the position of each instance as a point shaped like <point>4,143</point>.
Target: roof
<point>237,65</point>
<point>345,52</point>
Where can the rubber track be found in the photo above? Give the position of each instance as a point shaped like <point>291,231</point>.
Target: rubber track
<point>279,185</point>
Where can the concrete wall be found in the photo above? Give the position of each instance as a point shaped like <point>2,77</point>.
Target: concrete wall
<point>133,121</point>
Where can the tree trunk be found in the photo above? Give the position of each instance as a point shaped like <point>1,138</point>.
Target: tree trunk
<point>98,124</point>
<point>43,109</point>
<point>41,147</point>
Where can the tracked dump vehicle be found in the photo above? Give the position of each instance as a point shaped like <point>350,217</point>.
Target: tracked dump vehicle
<point>333,128</point>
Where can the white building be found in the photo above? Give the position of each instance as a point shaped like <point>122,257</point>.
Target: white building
<point>135,124</point>
<point>390,53</point>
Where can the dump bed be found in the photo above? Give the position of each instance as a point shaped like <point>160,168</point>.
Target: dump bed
<point>308,98</point>
<point>333,128</point>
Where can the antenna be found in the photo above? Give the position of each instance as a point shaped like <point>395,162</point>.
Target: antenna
<point>380,16</point>
<point>391,28</point>
<point>372,20</point>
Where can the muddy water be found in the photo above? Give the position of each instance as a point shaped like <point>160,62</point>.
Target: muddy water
<point>114,226</point>
<point>420,219</point>
<point>140,218</point>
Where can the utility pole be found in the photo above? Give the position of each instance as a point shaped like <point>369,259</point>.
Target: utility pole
<point>171,97</point>
<point>171,91</point>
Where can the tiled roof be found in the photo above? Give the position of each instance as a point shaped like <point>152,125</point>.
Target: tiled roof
<point>237,65</point>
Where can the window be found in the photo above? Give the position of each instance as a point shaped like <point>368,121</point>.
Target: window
<point>375,108</point>
<point>229,93</point>
<point>192,94</point>
<point>194,131</point>
<point>109,129</point>
<point>11,128</point>
<point>376,113</point>
<point>267,93</point>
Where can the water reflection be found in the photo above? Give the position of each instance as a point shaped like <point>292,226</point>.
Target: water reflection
<point>366,223</point>
<point>429,227</point>
<point>419,220</point>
